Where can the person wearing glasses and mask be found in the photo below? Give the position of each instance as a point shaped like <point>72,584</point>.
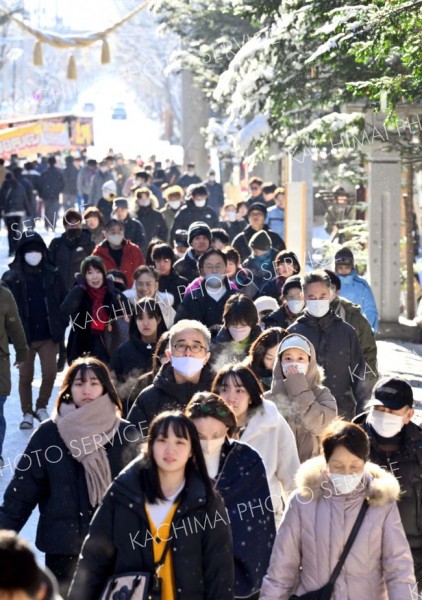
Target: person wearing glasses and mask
<point>396,445</point>
<point>186,373</point>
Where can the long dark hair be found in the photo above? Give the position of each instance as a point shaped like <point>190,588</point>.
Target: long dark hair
<point>84,365</point>
<point>182,428</point>
<point>267,339</point>
<point>241,376</point>
<point>153,311</point>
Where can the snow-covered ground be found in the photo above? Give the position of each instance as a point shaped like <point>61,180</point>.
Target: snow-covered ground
<point>394,357</point>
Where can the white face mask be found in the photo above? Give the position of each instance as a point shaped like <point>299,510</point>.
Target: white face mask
<point>385,424</point>
<point>212,446</point>
<point>33,258</point>
<point>301,367</point>
<point>214,280</point>
<point>174,204</point>
<point>188,366</point>
<point>295,306</point>
<point>240,333</point>
<point>344,484</point>
<point>318,308</point>
<point>142,202</point>
<point>231,216</point>
<point>200,203</point>
<point>191,172</point>
<point>115,239</point>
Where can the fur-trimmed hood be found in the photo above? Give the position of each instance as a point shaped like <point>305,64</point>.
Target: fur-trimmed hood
<point>379,486</point>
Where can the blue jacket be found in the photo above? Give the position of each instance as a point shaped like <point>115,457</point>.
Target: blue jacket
<point>275,220</point>
<point>357,290</point>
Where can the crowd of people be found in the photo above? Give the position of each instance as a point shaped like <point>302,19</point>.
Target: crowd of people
<point>221,430</point>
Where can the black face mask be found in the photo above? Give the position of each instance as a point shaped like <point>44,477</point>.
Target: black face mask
<point>73,234</point>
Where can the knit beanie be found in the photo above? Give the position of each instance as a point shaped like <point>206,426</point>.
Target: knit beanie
<point>260,241</point>
<point>198,228</point>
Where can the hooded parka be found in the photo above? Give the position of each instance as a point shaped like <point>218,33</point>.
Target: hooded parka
<point>314,532</point>
<point>10,328</point>
<point>307,406</point>
<point>120,541</point>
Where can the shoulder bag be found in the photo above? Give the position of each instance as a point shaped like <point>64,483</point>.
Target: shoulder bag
<point>136,585</point>
<point>326,591</point>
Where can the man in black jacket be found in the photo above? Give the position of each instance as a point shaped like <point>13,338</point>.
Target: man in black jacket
<point>51,186</point>
<point>38,290</point>
<point>199,240</point>
<point>257,213</point>
<point>134,229</point>
<point>177,381</point>
<point>195,209</point>
<point>151,218</point>
<point>336,344</point>
<point>396,445</point>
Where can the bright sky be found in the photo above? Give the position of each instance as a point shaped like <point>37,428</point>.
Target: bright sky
<point>88,15</point>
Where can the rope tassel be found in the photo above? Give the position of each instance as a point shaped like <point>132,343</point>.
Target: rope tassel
<point>105,53</point>
<point>71,68</point>
<point>38,58</point>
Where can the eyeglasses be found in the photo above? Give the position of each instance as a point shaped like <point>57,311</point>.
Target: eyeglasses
<point>194,348</point>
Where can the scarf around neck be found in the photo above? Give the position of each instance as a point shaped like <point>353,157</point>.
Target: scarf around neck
<point>85,431</point>
<point>99,313</point>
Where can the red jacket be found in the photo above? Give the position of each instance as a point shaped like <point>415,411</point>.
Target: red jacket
<point>132,258</point>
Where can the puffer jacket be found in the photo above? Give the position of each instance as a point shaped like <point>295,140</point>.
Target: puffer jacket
<point>270,435</point>
<point>314,532</point>
<point>307,406</point>
<point>357,290</point>
<point>120,541</point>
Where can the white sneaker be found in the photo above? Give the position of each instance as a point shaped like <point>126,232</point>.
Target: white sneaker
<point>41,414</point>
<point>27,421</point>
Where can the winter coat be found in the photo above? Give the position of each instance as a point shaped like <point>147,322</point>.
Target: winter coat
<point>242,482</point>
<point>240,242</point>
<point>174,284</point>
<point>189,213</point>
<point>85,176</point>
<point>153,223</point>
<point>51,184</point>
<point>77,306</point>
<point>273,288</point>
<point>215,196</point>
<point>119,541</point>
<point>261,268</point>
<point>276,220</point>
<point>14,199</point>
<point>132,258</point>
<point>187,266</point>
<point>226,350</point>
<point>314,532</point>
<point>244,282</point>
<point>339,353</point>
<point>233,228</point>
<point>281,317</point>
<point>307,406</point>
<point>186,180</point>
<point>196,283</point>
<point>200,305</point>
<point>166,394</point>
<point>67,252</point>
<point>406,464</point>
<point>268,432</point>
<point>70,176</point>
<point>96,234</point>
<point>168,215</point>
<point>96,186</point>
<point>352,314</point>
<point>133,357</point>
<point>10,329</point>
<point>106,208</point>
<point>52,284</point>
<point>357,290</point>
<point>47,475</point>
<point>135,231</point>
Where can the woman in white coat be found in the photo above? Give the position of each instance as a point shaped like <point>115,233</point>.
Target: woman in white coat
<point>262,427</point>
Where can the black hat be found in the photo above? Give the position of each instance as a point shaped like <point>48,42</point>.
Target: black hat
<point>344,257</point>
<point>392,392</point>
<point>260,241</point>
<point>181,238</point>
<point>198,228</point>
<point>290,283</point>
<point>258,206</point>
<point>120,203</point>
<point>335,279</point>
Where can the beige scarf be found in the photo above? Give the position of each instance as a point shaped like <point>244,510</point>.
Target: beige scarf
<point>85,431</point>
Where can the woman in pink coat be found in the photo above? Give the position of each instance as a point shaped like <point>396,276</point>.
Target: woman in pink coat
<point>319,519</point>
